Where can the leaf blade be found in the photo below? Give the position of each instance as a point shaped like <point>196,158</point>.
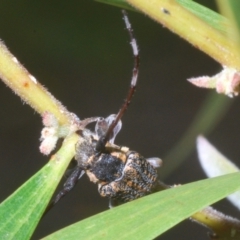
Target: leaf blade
<point>150,216</point>
<point>21,211</point>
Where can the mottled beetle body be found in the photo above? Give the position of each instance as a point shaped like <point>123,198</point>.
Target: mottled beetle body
<point>137,180</point>
<point>121,174</point>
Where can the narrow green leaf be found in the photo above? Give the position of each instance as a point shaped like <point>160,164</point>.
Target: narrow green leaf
<point>21,212</point>
<point>216,164</point>
<point>230,9</point>
<point>148,217</point>
<point>214,19</point>
<point>235,6</point>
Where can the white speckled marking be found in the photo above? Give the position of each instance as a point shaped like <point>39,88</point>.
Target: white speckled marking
<point>15,60</point>
<point>134,46</point>
<point>33,78</point>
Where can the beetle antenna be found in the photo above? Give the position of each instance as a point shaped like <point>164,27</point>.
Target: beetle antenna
<point>105,138</point>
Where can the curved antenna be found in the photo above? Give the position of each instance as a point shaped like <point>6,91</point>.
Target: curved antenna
<point>100,146</point>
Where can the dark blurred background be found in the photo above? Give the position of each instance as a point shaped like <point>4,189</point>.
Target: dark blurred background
<point>80,51</point>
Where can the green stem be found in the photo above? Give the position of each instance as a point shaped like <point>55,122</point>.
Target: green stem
<point>29,89</point>
<point>224,227</point>
<point>171,14</point>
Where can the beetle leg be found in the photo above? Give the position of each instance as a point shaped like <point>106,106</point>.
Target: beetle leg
<point>76,174</point>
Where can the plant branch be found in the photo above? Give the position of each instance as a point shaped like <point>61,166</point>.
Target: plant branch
<point>15,76</point>
<point>171,14</point>
<point>224,227</point>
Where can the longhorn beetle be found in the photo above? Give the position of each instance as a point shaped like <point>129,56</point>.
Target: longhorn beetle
<point>122,175</point>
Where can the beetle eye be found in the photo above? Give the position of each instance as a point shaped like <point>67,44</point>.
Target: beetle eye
<point>117,128</point>
<point>102,126</point>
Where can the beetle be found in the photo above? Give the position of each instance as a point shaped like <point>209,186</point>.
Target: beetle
<point>122,175</point>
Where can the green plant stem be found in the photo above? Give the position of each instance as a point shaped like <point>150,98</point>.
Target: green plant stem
<point>29,89</point>
<point>224,227</point>
<point>171,14</point>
